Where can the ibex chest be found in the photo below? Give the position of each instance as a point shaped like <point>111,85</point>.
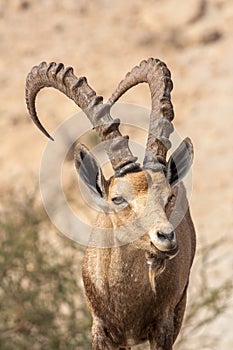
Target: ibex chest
<point>121,281</point>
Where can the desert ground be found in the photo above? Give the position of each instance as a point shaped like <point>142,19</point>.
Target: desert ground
<point>103,40</point>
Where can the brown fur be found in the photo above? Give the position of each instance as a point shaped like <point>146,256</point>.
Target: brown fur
<point>130,301</point>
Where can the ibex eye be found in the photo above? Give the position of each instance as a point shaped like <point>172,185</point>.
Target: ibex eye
<point>118,200</point>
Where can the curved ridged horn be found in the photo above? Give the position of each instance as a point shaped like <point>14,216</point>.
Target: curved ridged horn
<point>156,74</point>
<point>61,78</point>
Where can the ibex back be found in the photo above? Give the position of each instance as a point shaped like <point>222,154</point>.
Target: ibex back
<point>136,292</point>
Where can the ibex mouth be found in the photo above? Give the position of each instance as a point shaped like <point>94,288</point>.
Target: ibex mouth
<point>162,254</point>
<point>164,243</point>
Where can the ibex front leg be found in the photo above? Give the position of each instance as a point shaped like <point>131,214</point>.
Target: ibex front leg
<point>155,346</point>
<point>162,339</point>
<point>100,338</point>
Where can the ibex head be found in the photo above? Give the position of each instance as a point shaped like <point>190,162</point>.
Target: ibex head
<point>135,194</point>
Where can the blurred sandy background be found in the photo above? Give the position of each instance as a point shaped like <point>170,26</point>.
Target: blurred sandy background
<point>103,40</point>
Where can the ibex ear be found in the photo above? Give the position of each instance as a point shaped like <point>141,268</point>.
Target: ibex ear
<point>89,170</point>
<point>180,162</point>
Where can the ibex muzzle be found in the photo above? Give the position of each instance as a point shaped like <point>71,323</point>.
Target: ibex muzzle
<point>163,241</point>
<point>130,301</point>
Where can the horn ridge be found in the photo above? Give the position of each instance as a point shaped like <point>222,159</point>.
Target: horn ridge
<point>156,74</point>
<point>63,79</point>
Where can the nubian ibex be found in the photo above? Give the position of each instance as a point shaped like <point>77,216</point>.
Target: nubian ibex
<point>136,292</point>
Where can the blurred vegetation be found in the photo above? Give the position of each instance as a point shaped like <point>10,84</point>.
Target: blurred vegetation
<point>207,300</point>
<point>41,298</point>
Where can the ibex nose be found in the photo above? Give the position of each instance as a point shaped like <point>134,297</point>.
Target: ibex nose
<point>169,236</point>
<point>164,241</point>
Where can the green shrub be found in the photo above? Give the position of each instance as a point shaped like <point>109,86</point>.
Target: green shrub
<point>41,298</point>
